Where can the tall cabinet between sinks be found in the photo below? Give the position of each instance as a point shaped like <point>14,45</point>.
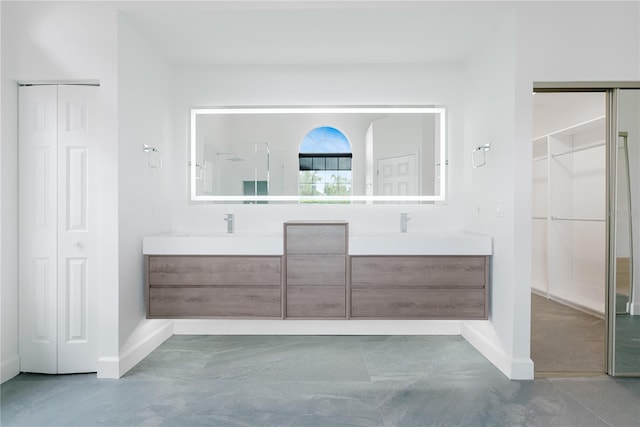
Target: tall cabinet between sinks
<point>316,269</point>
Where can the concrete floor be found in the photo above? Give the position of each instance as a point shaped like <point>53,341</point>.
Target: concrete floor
<point>317,381</point>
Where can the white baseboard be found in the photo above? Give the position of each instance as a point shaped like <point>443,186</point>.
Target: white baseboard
<point>481,335</point>
<point>634,309</point>
<point>521,369</point>
<point>10,368</point>
<point>131,356</point>
<point>108,367</point>
<point>134,352</point>
<point>316,327</point>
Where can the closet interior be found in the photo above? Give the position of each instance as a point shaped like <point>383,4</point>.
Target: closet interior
<point>569,200</point>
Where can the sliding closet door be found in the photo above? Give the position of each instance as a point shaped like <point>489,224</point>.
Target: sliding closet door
<point>624,303</point>
<point>58,229</point>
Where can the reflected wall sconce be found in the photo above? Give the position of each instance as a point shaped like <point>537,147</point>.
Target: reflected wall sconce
<point>154,156</point>
<point>198,168</point>
<point>478,157</point>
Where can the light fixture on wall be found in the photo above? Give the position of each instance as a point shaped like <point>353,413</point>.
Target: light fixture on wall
<point>478,157</point>
<point>154,156</point>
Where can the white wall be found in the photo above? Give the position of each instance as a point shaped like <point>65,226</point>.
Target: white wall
<point>317,85</point>
<point>546,42</point>
<point>578,41</point>
<point>9,359</point>
<point>560,41</point>
<point>493,203</point>
<point>144,205</point>
<point>60,42</point>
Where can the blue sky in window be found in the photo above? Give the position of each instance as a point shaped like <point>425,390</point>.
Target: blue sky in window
<point>325,139</point>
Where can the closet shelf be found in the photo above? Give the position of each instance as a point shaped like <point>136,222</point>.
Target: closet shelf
<point>537,159</point>
<point>576,150</point>
<point>559,218</point>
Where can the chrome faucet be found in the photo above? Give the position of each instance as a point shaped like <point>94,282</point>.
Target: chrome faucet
<point>404,219</point>
<point>231,227</point>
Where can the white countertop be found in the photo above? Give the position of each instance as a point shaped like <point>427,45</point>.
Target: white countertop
<point>255,243</point>
<point>214,244</point>
<point>455,243</point>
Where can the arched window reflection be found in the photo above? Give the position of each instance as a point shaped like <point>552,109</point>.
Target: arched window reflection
<point>325,163</point>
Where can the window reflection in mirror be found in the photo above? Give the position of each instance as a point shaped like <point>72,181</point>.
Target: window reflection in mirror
<point>310,154</point>
<point>325,163</point>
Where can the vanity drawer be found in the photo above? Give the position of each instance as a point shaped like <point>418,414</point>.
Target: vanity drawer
<point>428,271</point>
<point>316,301</point>
<point>418,303</point>
<point>316,238</point>
<point>187,302</point>
<point>316,270</point>
<point>215,270</point>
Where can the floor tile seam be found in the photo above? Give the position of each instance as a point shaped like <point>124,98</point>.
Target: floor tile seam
<point>364,360</point>
<point>378,399</point>
<point>582,405</point>
<point>226,381</point>
<point>268,383</point>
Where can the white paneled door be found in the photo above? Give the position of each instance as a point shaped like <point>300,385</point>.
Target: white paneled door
<point>58,235</point>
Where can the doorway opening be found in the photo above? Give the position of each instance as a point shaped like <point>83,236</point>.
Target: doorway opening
<point>585,315</point>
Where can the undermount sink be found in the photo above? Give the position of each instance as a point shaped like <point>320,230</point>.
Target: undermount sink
<point>214,244</point>
<point>454,243</point>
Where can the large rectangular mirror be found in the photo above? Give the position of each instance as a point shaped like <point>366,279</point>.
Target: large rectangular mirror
<point>318,154</point>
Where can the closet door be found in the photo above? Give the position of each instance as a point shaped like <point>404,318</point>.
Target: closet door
<point>38,228</point>
<point>77,230</point>
<point>58,231</point>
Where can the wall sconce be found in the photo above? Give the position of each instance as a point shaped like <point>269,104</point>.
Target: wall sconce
<point>478,157</point>
<point>154,156</point>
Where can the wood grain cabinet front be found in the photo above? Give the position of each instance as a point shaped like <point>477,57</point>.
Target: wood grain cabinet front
<point>213,286</point>
<point>316,269</point>
<point>419,287</point>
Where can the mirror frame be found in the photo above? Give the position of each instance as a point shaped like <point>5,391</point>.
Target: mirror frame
<point>442,160</point>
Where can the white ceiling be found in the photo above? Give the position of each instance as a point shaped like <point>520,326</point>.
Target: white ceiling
<point>331,32</point>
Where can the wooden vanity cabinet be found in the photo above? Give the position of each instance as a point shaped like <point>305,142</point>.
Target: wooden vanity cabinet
<point>211,286</point>
<point>316,269</point>
<point>419,287</point>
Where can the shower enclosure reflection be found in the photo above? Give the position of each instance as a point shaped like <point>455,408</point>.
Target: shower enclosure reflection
<point>248,170</point>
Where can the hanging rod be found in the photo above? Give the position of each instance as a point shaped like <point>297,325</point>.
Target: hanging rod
<point>575,150</point>
<point>537,159</point>
<point>540,217</point>
<point>559,218</point>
